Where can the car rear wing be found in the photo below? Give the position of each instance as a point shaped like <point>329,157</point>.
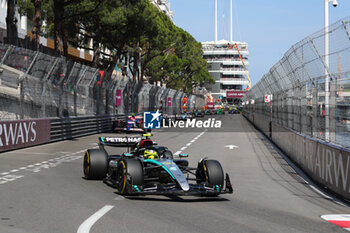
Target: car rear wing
<point>119,141</point>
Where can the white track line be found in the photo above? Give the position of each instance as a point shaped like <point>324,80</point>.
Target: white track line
<point>37,167</point>
<point>190,143</point>
<point>88,223</point>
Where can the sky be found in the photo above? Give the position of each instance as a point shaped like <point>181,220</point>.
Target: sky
<point>270,27</point>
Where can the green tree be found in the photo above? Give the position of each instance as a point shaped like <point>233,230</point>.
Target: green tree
<point>135,32</point>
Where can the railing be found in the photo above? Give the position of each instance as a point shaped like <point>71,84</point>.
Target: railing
<point>312,130</point>
<point>68,128</point>
<point>231,69</point>
<point>36,85</point>
<point>218,58</point>
<point>297,83</point>
<point>221,48</point>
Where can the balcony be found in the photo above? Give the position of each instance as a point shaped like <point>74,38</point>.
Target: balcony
<point>224,52</point>
<point>228,61</point>
<point>230,71</point>
<point>233,81</point>
<point>224,45</point>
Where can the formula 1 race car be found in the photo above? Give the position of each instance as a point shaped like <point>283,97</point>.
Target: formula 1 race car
<point>183,116</point>
<point>133,124</point>
<point>151,169</point>
<point>233,110</point>
<point>198,113</point>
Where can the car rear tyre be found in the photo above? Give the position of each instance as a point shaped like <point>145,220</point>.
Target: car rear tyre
<point>95,164</point>
<point>129,168</point>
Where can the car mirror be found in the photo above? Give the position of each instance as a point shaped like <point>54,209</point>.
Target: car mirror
<point>183,155</point>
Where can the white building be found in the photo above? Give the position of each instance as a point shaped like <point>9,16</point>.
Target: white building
<point>228,61</point>
<point>21,23</point>
<point>226,67</point>
<point>164,6</point>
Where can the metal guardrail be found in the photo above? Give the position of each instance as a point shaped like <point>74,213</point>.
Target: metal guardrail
<point>46,130</point>
<point>68,128</point>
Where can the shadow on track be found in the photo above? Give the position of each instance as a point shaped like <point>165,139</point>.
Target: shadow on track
<point>162,198</point>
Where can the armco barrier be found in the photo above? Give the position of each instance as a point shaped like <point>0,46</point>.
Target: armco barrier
<point>326,164</point>
<point>67,128</point>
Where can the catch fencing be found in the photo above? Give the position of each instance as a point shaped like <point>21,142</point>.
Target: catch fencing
<point>308,96</point>
<point>37,85</point>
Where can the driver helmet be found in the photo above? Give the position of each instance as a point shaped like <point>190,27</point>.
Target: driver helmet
<point>151,154</point>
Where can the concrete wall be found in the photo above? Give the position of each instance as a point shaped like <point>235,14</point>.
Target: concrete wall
<point>326,164</point>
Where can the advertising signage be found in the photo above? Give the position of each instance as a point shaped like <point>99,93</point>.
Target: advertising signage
<point>235,94</point>
<point>210,105</point>
<point>23,133</point>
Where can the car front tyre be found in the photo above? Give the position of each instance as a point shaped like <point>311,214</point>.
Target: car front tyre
<point>95,164</point>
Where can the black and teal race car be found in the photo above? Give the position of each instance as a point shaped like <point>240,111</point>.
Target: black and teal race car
<point>149,169</point>
<point>198,113</point>
<point>183,116</point>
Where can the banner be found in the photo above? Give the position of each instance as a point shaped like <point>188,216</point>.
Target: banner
<point>169,101</point>
<point>118,98</point>
<point>268,98</point>
<point>210,105</point>
<point>23,133</point>
<point>235,94</point>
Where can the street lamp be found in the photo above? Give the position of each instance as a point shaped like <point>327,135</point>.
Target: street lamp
<point>326,62</point>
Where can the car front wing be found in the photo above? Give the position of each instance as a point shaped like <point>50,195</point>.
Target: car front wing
<point>203,189</point>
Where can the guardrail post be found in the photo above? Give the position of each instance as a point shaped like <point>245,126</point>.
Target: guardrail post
<point>9,49</point>
<point>44,86</point>
<point>20,81</point>
<point>326,67</point>
<point>1,71</point>
<point>332,112</point>
<point>314,129</point>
